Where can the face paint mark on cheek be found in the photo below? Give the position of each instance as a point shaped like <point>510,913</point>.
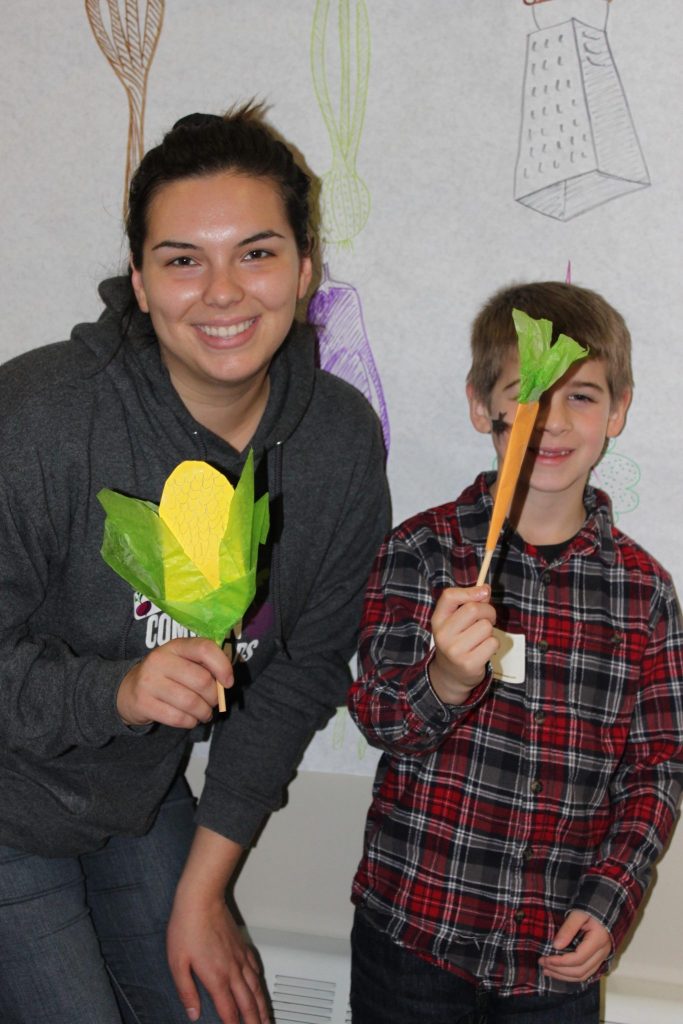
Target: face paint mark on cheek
<point>499,424</point>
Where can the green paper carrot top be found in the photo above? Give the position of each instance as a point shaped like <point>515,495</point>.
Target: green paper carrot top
<point>541,364</point>
<point>195,554</point>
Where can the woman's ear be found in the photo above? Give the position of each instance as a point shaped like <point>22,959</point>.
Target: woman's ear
<point>138,287</point>
<point>305,274</point>
<point>479,411</point>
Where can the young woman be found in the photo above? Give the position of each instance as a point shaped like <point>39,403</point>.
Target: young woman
<point>111,882</point>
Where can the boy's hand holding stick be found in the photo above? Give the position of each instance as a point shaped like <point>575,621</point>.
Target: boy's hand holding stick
<point>462,627</point>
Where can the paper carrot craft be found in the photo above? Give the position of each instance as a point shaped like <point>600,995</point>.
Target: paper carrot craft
<point>195,554</point>
<point>541,364</point>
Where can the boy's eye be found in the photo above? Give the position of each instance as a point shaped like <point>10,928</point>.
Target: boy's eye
<point>580,397</point>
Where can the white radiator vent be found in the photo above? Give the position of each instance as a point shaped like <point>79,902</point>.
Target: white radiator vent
<point>302,1000</point>
<point>307,976</point>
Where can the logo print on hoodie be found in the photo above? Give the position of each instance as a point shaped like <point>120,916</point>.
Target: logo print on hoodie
<point>161,627</point>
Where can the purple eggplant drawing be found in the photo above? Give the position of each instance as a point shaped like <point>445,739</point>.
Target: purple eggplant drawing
<point>336,313</point>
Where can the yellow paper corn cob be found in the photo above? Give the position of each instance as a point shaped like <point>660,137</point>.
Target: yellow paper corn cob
<point>195,505</point>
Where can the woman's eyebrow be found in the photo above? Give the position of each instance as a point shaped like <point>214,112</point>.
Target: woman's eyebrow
<point>260,236</point>
<point>168,243</point>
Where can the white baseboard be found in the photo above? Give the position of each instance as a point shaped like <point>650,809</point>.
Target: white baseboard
<point>636,1001</point>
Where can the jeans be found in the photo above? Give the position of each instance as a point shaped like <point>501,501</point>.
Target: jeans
<point>390,985</point>
<point>82,939</point>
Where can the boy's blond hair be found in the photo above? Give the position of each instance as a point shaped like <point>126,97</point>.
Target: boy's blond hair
<point>579,312</point>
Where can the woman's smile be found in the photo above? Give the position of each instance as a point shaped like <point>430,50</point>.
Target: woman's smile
<point>226,333</point>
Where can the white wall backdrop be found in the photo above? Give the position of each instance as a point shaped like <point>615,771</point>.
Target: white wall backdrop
<point>433,116</point>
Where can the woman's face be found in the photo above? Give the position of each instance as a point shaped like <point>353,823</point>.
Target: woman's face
<point>220,278</point>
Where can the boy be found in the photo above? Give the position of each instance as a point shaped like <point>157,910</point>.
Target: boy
<point>521,802</point>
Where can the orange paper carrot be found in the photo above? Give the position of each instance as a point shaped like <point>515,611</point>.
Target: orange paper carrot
<point>541,364</point>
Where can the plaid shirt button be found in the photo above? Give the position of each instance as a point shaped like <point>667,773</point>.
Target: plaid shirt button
<point>536,786</point>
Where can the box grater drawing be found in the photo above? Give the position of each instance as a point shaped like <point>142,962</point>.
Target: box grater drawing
<point>578,146</point>
<point>129,48</point>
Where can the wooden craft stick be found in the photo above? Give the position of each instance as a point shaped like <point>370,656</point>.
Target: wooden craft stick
<point>236,631</point>
<point>222,706</point>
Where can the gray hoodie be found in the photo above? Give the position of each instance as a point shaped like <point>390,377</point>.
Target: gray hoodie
<point>94,412</point>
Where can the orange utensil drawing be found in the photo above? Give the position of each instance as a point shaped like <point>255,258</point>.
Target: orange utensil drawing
<point>129,48</point>
<point>541,364</point>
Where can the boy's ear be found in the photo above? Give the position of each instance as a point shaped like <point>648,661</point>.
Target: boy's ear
<point>617,415</point>
<point>479,412</point>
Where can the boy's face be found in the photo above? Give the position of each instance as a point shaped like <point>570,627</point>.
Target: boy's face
<point>575,418</point>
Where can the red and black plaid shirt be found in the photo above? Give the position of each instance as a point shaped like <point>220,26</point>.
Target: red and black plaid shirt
<point>492,820</point>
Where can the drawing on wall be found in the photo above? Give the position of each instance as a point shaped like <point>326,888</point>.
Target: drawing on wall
<point>344,349</point>
<point>342,719</point>
<point>578,146</point>
<point>129,47</point>
<point>345,197</point>
<point>340,747</point>
<point>619,476</point>
<point>335,309</point>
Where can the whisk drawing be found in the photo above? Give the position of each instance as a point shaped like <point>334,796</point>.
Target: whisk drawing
<point>129,47</point>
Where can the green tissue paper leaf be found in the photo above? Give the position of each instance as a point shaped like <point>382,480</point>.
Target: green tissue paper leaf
<point>541,363</point>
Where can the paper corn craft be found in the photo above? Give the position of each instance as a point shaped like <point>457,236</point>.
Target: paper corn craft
<point>195,554</point>
<point>540,366</point>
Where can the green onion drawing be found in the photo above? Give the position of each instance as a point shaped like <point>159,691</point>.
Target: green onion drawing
<point>345,197</point>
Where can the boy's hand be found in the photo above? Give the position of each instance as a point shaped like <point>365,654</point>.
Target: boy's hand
<point>593,948</point>
<point>462,627</point>
<point>175,684</point>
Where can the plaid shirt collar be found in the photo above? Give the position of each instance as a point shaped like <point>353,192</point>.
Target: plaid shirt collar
<point>594,537</point>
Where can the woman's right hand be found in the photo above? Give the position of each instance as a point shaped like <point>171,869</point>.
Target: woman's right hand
<point>175,684</point>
